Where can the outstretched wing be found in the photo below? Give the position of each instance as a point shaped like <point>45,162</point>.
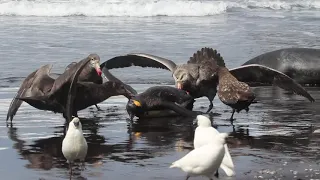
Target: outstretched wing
<point>255,73</point>
<point>45,103</point>
<point>26,84</point>
<point>139,59</point>
<point>73,87</point>
<point>111,77</point>
<point>67,75</point>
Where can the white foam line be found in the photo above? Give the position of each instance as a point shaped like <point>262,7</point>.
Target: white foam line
<point>144,8</point>
<point>3,148</point>
<point>138,8</point>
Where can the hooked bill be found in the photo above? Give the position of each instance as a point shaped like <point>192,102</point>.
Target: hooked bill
<point>98,69</point>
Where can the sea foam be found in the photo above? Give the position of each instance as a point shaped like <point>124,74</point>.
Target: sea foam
<point>143,8</point>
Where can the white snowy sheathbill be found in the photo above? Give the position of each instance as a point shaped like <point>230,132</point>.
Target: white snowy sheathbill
<point>204,160</point>
<point>205,134</point>
<point>74,145</point>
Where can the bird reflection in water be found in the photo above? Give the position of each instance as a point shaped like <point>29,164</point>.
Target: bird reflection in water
<point>159,133</point>
<point>147,138</point>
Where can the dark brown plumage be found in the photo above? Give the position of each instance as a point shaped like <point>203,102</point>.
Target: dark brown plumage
<point>59,97</point>
<point>43,92</point>
<point>88,93</point>
<point>89,74</point>
<point>85,94</point>
<point>238,95</point>
<point>36,83</point>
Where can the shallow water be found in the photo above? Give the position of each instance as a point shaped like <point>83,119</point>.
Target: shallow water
<point>277,139</point>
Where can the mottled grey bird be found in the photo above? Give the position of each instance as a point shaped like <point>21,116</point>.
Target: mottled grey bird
<point>238,95</point>
<point>199,76</point>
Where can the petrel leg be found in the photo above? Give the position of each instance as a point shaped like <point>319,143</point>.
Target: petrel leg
<point>210,107</point>
<point>98,108</point>
<point>187,177</point>
<point>231,118</point>
<point>247,109</point>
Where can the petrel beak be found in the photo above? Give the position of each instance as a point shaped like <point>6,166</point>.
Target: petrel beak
<point>128,94</point>
<point>98,69</point>
<point>179,85</point>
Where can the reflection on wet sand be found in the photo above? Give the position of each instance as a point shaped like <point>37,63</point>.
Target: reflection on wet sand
<point>158,135</point>
<point>285,127</point>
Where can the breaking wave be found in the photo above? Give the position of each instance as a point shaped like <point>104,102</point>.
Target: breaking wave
<point>143,8</point>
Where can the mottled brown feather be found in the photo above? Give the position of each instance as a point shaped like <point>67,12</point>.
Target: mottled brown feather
<point>207,54</point>
<point>232,92</point>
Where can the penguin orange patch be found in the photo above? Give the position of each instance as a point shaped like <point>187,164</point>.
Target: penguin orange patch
<point>137,134</point>
<point>137,103</point>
